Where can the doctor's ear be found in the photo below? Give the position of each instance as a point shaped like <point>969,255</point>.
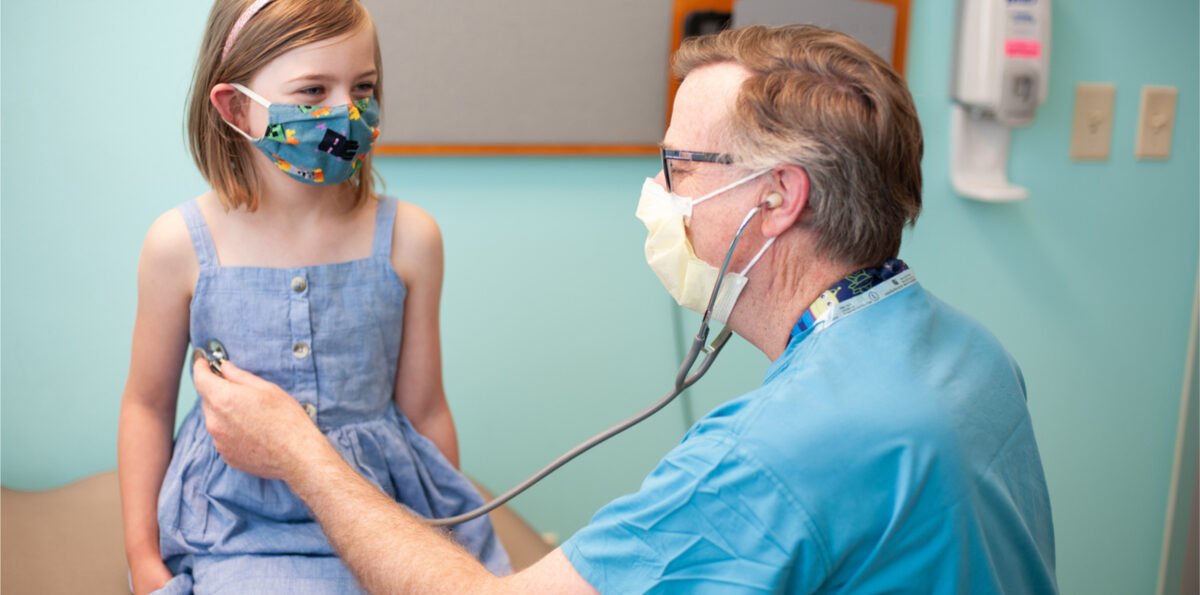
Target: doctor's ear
<point>786,199</point>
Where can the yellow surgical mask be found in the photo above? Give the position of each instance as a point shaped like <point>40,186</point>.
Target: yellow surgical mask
<point>670,255</point>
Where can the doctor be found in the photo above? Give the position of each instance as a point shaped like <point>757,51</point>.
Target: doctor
<point>889,447</point>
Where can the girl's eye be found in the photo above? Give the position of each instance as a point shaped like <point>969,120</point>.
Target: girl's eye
<point>367,88</point>
<point>312,90</point>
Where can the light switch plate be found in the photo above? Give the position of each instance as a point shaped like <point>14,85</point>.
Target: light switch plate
<point>1091,133</point>
<point>1155,122</point>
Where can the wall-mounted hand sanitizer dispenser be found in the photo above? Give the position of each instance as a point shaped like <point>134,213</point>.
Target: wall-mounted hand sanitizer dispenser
<point>1001,72</point>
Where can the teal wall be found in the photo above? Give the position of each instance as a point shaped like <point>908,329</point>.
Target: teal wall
<point>553,326</point>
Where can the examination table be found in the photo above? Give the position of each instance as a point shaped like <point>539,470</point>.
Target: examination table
<point>69,539</point>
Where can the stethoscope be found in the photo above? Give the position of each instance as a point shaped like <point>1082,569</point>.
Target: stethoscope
<point>214,352</point>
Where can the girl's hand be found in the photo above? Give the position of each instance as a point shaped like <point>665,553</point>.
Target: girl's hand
<point>148,575</point>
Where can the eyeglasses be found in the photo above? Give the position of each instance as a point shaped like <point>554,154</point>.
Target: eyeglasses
<point>669,155</point>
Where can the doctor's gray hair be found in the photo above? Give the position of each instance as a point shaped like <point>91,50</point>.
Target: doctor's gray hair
<point>825,102</point>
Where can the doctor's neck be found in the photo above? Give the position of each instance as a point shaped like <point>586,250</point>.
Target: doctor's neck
<point>790,282</point>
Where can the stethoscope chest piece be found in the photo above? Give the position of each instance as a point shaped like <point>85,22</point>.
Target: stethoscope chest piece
<point>217,350</point>
<point>214,353</point>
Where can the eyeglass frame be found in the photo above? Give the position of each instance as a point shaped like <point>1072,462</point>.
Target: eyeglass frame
<point>680,155</point>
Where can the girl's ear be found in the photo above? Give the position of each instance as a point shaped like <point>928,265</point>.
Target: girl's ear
<point>786,196</point>
<point>229,104</point>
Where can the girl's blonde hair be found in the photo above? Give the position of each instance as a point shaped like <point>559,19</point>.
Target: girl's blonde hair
<point>223,156</point>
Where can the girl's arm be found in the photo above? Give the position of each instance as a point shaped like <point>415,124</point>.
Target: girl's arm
<point>166,274</point>
<point>417,258</point>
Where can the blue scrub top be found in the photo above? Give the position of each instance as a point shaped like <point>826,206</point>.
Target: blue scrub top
<point>890,451</point>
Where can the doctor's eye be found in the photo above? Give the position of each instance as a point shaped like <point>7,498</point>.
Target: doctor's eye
<point>679,172</point>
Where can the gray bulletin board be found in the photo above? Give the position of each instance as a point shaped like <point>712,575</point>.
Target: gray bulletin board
<point>538,73</point>
<point>564,76</point>
<point>871,22</point>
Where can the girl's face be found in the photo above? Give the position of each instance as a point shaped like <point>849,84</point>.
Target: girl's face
<point>331,72</point>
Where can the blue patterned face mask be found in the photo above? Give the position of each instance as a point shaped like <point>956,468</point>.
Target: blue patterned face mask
<point>315,144</point>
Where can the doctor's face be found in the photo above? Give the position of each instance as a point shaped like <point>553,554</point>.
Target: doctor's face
<point>699,122</point>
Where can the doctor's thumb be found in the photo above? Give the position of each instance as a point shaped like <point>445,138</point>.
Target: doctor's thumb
<point>203,376</point>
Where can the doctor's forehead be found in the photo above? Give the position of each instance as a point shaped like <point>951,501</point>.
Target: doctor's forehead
<point>704,99</point>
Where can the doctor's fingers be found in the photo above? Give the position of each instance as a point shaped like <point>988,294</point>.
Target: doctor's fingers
<point>215,392</point>
<point>207,380</point>
<point>219,395</point>
<point>237,375</point>
<point>207,383</point>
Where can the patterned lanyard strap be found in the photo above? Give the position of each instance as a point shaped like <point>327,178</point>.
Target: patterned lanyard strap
<point>856,291</point>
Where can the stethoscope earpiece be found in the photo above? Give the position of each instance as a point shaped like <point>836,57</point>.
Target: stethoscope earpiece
<point>774,200</point>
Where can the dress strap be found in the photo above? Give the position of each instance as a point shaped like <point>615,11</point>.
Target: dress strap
<point>385,221</point>
<point>198,229</point>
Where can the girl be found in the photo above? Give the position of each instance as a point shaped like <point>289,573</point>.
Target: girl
<point>307,279</point>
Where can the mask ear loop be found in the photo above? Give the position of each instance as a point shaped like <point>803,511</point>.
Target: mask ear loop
<point>712,299</point>
<point>754,260</point>
<point>774,200</point>
<point>728,187</point>
<point>259,99</point>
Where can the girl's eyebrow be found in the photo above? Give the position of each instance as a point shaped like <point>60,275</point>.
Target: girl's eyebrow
<point>326,77</point>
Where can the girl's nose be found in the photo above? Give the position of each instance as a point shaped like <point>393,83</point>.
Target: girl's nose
<point>340,97</point>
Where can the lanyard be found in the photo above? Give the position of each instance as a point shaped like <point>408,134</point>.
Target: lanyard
<point>856,291</point>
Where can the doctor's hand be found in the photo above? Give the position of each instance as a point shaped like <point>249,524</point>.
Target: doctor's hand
<point>255,425</point>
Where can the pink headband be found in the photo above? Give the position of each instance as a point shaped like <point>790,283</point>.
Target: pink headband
<point>241,22</point>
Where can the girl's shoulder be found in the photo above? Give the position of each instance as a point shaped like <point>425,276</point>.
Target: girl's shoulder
<point>416,240</point>
<point>169,235</point>
<point>414,230</point>
<point>168,252</point>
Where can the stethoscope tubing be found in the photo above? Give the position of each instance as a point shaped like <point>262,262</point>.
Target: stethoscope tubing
<point>214,352</point>
<point>682,381</point>
<point>697,346</point>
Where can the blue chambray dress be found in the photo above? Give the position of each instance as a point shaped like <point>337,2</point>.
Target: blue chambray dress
<point>329,335</point>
